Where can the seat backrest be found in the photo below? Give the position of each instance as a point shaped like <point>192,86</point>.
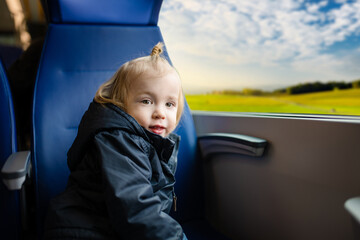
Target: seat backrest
<point>86,43</point>
<point>9,200</point>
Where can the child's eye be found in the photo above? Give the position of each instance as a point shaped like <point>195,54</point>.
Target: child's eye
<point>146,101</point>
<point>170,104</point>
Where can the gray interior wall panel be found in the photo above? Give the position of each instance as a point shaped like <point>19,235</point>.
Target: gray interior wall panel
<point>297,190</point>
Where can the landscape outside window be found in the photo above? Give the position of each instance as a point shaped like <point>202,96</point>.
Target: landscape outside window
<point>284,56</point>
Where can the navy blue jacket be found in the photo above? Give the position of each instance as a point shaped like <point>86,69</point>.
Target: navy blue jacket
<point>121,181</point>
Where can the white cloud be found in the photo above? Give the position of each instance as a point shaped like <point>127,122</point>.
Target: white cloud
<point>257,31</point>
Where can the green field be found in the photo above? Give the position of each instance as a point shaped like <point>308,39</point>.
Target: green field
<point>339,102</point>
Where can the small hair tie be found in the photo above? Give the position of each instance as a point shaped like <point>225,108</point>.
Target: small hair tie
<point>157,50</point>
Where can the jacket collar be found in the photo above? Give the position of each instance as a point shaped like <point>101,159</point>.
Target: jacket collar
<point>165,147</point>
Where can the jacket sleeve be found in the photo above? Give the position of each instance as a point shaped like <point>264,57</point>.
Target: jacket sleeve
<point>134,210</point>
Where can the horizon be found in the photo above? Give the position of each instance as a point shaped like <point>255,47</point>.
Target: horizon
<point>268,89</point>
<point>261,44</point>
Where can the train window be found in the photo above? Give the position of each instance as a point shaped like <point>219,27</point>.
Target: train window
<point>285,56</point>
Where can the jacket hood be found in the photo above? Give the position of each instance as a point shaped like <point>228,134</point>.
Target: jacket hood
<point>100,118</point>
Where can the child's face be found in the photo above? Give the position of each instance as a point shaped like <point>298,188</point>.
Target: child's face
<point>153,102</point>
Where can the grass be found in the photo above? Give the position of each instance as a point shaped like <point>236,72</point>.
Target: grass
<point>339,102</point>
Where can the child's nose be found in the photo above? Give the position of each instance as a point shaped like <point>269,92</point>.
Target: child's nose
<point>158,113</point>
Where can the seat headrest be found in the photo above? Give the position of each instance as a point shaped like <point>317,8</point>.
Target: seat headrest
<point>124,12</point>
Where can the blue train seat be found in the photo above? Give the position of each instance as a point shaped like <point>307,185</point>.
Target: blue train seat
<point>12,173</point>
<point>84,46</point>
<point>9,200</point>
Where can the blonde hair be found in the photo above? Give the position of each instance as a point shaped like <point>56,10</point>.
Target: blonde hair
<point>116,89</point>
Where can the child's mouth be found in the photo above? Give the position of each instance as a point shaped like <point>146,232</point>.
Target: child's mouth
<point>157,129</point>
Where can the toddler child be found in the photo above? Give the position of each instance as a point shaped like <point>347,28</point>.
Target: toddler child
<point>123,160</point>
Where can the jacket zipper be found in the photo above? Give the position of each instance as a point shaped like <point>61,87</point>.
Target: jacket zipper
<point>174,200</point>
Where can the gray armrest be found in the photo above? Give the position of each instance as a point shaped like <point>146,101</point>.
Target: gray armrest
<point>15,169</point>
<point>352,205</point>
<point>231,143</point>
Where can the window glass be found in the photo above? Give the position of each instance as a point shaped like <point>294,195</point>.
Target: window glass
<point>286,56</point>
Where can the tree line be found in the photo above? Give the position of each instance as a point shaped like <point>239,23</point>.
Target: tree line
<point>296,89</point>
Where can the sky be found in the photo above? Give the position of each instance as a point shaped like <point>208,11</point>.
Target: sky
<point>262,44</point>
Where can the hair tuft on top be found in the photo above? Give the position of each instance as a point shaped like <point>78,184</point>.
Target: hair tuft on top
<point>157,49</point>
